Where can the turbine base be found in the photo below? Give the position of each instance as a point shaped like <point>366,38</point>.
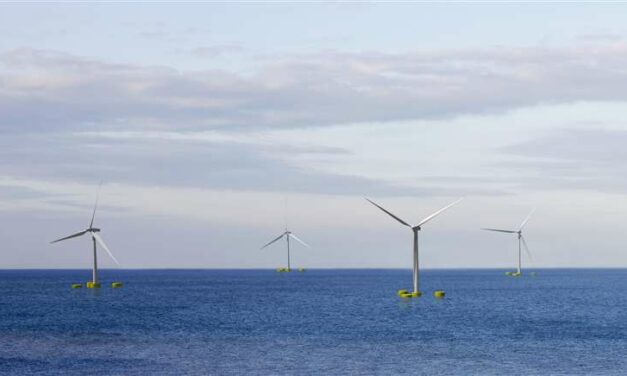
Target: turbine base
<point>93,285</point>
<point>408,295</point>
<point>284,270</point>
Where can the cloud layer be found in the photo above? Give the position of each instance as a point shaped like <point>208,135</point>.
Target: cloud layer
<point>45,90</point>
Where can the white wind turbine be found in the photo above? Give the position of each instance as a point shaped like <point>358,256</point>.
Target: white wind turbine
<point>93,231</point>
<point>287,234</point>
<point>415,229</point>
<point>521,241</point>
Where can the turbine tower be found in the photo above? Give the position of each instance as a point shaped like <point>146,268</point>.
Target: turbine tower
<point>521,242</point>
<point>287,234</point>
<point>93,231</point>
<point>415,230</point>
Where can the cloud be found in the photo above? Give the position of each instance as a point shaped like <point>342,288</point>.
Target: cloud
<point>180,160</point>
<point>44,90</point>
<point>573,159</point>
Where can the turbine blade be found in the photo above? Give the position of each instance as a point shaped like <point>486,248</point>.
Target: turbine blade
<point>526,247</point>
<point>496,229</point>
<point>69,237</point>
<point>93,215</point>
<point>526,220</point>
<point>388,213</point>
<point>102,243</point>
<point>282,235</point>
<point>298,240</point>
<point>437,213</point>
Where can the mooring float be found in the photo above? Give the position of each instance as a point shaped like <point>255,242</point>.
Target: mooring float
<point>93,285</point>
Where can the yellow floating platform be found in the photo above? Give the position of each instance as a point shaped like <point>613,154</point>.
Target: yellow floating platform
<point>116,285</point>
<point>439,294</point>
<point>93,285</point>
<point>284,270</point>
<point>401,292</point>
<point>77,285</point>
<point>408,295</point>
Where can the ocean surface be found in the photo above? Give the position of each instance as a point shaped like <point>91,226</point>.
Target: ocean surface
<point>320,322</point>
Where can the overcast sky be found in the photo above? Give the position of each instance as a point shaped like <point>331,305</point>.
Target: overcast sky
<point>212,126</point>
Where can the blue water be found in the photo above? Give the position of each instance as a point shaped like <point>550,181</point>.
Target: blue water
<point>321,322</point>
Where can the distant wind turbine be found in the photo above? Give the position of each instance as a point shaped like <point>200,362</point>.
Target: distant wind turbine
<point>287,234</point>
<point>415,229</point>
<point>521,241</point>
<point>93,231</point>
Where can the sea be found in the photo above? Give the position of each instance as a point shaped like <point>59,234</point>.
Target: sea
<point>317,322</point>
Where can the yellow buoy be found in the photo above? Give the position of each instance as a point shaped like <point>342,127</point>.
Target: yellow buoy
<point>116,285</point>
<point>77,285</point>
<point>439,294</point>
<point>93,285</point>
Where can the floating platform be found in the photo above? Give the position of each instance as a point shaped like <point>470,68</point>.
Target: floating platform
<point>301,269</point>
<point>284,270</point>
<point>77,285</point>
<point>93,285</point>
<point>408,295</point>
<point>513,274</point>
<point>439,294</point>
<point>116,285</point>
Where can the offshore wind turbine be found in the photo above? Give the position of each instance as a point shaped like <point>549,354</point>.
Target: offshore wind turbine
<point>415,230</point>
<point>521,241</point>
<point>287,234</point>
<point>93,232</point>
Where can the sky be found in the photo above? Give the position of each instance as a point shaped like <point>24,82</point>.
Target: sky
<point>213,126</point>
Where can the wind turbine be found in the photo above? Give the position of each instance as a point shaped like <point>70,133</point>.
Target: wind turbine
<point>93,232</point>
<point>287,234</point>
<point>415,230</point>
<point>521,241</point>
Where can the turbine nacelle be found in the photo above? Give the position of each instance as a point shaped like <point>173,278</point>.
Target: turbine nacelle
<point>417,227</point>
